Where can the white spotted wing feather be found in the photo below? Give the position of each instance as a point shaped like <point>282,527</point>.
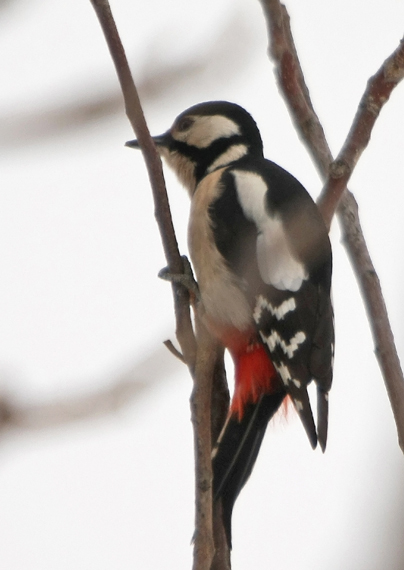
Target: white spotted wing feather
<point>278,315</point>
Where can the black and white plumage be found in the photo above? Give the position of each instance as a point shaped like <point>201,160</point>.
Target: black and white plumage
<point>262,259</point>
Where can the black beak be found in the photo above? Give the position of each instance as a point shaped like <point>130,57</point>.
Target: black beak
<point>132,144</point>
<point>160,140</point>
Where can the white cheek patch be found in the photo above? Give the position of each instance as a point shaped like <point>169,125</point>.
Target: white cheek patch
<point>278,312</point>
<point>276,263</point>
<point>205,130</point>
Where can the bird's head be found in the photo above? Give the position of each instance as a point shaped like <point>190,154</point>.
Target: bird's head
<point>205,137</point>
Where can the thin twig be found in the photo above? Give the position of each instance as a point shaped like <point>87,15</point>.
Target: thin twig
<point>122,390</point>
<point>376,95</point>
<point>293,86</point>
<point>291,81</point>
<point>174,350</point>
<point>369,285</point>
<point>153,163</point>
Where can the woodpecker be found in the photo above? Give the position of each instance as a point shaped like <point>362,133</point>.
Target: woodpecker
<point>262,258</point>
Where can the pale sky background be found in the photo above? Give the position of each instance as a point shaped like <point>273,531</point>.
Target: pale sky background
<point>81,306</point>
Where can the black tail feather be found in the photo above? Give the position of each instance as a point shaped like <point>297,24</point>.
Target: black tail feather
<point>322,417</point>
<point>236,452</point>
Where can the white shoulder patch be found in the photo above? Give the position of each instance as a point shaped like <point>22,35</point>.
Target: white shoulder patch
<point>206,129</point>
<point>276,263</point>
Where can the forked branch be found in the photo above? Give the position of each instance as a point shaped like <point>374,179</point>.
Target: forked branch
<point>336,175</point>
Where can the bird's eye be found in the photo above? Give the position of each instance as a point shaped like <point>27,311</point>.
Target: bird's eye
<point>184,124</point>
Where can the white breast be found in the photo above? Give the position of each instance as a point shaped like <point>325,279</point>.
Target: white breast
<point>222,298</point>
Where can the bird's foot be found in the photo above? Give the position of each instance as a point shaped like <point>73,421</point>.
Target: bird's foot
<point>186,278</point>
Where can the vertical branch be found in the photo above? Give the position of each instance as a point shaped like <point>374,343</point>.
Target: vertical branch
<point>220,408</point>
<point>336,174</point>
<point>200,354</point>
<point>201,404</point>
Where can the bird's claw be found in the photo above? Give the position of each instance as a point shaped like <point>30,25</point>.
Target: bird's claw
<point>186,278</point>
